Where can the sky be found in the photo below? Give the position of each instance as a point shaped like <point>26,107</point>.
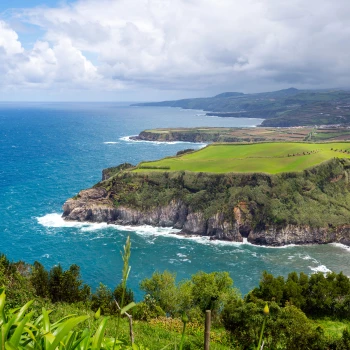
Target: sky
<point>151,50</point>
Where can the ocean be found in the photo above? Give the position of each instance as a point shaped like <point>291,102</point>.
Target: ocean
<point>50,151</point>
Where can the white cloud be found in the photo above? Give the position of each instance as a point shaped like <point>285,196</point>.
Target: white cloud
<point>184,44</point>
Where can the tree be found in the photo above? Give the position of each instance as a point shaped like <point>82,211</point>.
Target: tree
<point>128,296</point>
<point>55,283</point>
<point>40,280</point>
<point>210,290</point>
<point>67,285</point>
<point>103,299</point>
<point>161,287</point>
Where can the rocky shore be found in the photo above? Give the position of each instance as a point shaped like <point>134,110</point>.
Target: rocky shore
<point>95,205</point>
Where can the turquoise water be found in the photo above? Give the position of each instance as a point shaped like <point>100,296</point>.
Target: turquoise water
<point>51,151</point>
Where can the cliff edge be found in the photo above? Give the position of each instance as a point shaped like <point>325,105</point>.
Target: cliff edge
<point>307,207</point>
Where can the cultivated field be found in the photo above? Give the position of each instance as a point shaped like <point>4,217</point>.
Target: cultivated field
<point>269,158</point>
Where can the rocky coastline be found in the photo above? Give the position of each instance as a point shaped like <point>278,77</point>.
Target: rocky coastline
<point>95,205</point>
<point>195,135</point>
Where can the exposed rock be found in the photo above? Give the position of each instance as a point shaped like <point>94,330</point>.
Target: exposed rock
<point>238,221</point>
<point>94,206</point>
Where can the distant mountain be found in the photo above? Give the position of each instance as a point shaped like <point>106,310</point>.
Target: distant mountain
<point>287,107</point>
<point>229,94</point>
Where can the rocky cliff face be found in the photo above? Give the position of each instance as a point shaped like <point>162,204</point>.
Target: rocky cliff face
<point>94,205</point>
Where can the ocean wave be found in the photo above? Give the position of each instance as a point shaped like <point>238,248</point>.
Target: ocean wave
<point>110,142</point>
<point>340,245</point>
<point>55,220</point>
<point>128,139</point>
<point>320,268</point>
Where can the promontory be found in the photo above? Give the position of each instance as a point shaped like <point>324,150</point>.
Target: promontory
<point>271,193</point>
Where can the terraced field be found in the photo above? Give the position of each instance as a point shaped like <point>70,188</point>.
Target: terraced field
<point>269,158</point>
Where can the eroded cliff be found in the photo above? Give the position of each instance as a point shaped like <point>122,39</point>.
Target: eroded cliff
<point>295,208</point>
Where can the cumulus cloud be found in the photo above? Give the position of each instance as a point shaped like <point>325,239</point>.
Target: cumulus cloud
<point>183,44</point>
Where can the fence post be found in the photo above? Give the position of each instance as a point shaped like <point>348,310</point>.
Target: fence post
<point>207,330</point>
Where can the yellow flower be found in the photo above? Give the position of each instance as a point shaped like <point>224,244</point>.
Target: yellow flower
<point>266,310</point>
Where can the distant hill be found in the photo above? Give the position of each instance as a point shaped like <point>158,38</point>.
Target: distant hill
<point>283,108</point>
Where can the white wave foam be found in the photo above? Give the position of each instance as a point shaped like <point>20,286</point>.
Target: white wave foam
<point>45,256</point>
<point>55,220</point>
<point>148,230</point>
<point>320,268</point>
<point>307,257</point>
<point>128,139</point>
<point>110,142</point>
<point>342,246</point>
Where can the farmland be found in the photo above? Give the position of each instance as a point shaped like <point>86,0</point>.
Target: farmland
<point>269,158</point>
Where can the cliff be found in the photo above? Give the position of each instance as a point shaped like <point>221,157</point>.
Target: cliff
<point>292,208</point>
<point>187,135</point>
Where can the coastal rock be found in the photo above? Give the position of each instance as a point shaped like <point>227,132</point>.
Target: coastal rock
<point>237,219</point>
<point>220,229</point>
<point>93,205</point>
<point>90,205</point>
<point>291,234</point>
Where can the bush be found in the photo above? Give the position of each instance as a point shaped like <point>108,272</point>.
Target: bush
<point>128,296</point>
<point>103,299</point>
<point>286,328</point>
<point>317,295</point>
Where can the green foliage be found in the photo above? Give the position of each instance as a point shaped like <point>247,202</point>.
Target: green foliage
<point>21,330</point>
<point>118,294</point>
<point>317,295</point>
<point>317,197</point>
<point>66,285</point>
<point>204,291</point>
<point>162,289</point>
<point>14,277</point>
<point>103,299</point>
<point>286,328</point>
<point>148,309</point>
<point>40,280</point>
<point>211,290</point>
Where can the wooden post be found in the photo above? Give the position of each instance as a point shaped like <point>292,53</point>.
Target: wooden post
<point>207,330</point>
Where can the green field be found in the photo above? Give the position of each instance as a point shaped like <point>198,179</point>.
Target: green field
<point>269,158</point>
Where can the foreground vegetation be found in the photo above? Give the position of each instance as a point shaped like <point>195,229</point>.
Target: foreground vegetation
<point>269,158</point>
<point>92,321</point>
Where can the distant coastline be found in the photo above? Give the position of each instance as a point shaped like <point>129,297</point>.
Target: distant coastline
<point>283,108</point>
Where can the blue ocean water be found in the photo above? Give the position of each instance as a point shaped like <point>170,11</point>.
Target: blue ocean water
<point>50,151</point>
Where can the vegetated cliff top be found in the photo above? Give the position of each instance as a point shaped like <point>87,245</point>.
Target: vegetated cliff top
<point>288,107</point>
<point>222,134</point>
<point>271,158</point>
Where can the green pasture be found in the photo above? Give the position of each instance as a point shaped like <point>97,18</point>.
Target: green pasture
<point>269,158</point>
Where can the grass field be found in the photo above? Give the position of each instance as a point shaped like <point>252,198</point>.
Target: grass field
<point>269,158</point>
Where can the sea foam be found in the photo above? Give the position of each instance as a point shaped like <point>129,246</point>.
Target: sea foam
<point>55,220</point>
<point>320,268</point>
